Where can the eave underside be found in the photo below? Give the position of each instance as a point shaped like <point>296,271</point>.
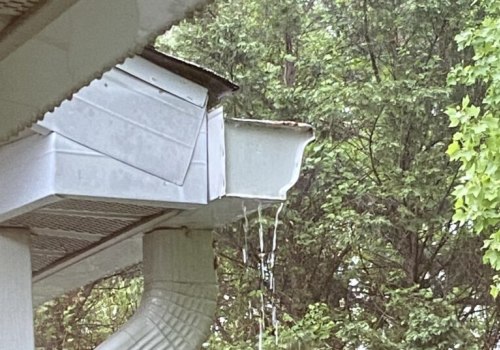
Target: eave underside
<point>49,52</point>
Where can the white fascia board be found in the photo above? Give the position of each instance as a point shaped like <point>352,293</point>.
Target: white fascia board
<point>27,181</point>
<point>216,154</point>
<point>68,49</point>
<point>82,172</point>
<point>131,120</point>
<point>38,170</point>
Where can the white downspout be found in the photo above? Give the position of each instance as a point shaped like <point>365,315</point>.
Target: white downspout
<point>180,293</point>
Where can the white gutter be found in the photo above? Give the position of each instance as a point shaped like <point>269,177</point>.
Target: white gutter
<point>180,294</point>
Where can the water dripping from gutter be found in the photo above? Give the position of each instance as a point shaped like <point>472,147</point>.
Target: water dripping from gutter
<point>267,262</point>
<point>272,281</point>
<point>245,230</point>
<point>263,268</point>
<point>244,252</point>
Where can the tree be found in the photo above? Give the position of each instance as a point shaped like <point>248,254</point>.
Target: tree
<point>476,144</point>
<point>84,318</point>
<point>369,230</point>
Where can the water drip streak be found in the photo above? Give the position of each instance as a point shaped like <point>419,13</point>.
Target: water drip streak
<point>262,256</point>
<point>262,253</point>
<point>262,322</point>
<point>275,237</point>
<point>244,251</point>
<point>267,262</point>
<point>245,230</point>
<point>272,263</point>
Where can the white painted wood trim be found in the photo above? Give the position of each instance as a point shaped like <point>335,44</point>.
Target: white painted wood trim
<point>16,323</point>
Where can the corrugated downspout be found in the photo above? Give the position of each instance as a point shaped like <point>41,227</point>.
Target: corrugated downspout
<point>180,292</point>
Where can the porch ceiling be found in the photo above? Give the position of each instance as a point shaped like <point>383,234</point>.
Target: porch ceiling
<point>49,49</point>
<point>72,225</point>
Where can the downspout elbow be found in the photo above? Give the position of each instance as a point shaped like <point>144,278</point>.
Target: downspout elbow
<point>180,292</point>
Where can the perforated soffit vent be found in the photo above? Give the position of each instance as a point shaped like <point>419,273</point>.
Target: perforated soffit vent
<point>72,225</point>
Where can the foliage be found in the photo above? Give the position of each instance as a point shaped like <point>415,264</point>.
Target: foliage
<point>369,254</point>
<point>476,144</point>
<point>310,332</point>
<point>83,319</point>
<point>368,230</point>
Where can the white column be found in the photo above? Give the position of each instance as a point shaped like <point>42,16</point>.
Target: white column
<point>16,307</point>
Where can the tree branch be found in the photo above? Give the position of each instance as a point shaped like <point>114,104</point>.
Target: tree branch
<point>368,40</point>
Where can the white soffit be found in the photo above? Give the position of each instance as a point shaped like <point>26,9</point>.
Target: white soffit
<point>66,44</point>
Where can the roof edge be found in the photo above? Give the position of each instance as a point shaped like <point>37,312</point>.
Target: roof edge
<point>217,85</point>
